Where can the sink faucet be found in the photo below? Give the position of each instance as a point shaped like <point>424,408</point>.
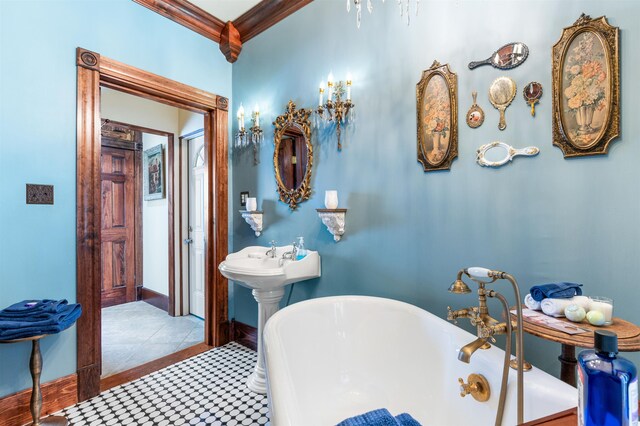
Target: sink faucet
<point>487,327</point>
<point>272,251</point>
<point>292,254</point>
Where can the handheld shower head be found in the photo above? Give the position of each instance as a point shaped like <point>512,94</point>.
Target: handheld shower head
<point>459,287</point>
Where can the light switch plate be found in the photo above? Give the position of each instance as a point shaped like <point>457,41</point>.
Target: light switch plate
<point>243,198</point>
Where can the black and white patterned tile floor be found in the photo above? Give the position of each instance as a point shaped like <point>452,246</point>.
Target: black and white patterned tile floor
<point>208,389</point>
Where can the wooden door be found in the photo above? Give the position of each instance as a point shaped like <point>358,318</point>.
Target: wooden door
<point>118,226</point>
<point>197,217</point>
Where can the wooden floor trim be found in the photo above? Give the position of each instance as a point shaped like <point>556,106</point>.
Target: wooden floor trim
<point>159,300</point>
<point>244,334</point>
<point>152,366</point>
<point>56,395</point>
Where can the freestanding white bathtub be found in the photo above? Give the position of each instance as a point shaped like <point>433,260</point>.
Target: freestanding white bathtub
<point>331,358</point>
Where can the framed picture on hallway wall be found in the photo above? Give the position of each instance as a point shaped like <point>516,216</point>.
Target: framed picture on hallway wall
<point>586,87</point>
<point>153,171</point>
<point>437,117</point>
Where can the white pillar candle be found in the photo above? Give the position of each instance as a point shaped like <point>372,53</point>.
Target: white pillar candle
<point>241,118</point>
<point>320,99</point>
<point>256,111</point>
<point>349,81</point>
<point>603,305</point>
<point>330,86</point>
<point>252,204</point>
<point>331,199</point>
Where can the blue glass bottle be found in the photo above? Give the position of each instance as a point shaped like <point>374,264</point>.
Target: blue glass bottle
<point>607,385</point>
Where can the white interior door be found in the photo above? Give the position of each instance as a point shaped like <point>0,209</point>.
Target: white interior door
<point>197,217</point>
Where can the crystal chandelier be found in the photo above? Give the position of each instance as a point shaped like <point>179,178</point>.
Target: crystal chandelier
<point>402,4</point>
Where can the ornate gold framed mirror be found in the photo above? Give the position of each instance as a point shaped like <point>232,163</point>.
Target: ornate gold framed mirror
<point>293,155</point>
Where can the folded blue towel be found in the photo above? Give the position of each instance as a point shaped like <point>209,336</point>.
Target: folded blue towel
<point>380,417</point>
<point>37,320</point>
<point>11,330</point>
<point>406,420</point>
<point>555,290</point>
<point>28,308</point>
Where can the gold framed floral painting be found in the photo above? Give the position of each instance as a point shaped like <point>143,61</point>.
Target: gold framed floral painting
<point>437,117</point>
<point>586,88</point>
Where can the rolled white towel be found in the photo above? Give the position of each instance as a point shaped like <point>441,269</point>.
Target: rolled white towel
<point>555,307</point>
<point>532,304</point>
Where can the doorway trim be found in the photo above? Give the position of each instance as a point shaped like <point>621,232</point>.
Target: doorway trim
<point>93,71</point>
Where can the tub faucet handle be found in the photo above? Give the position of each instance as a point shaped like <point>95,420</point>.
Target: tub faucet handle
<point>477,387</point>
<point>451,316</point>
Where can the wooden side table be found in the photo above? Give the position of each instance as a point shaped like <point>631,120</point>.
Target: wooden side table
<point>35,366</point>
<point>628,341</point>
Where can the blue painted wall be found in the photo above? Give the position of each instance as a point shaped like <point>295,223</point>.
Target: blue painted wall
<point>542,219</point>
<point>38,140</point>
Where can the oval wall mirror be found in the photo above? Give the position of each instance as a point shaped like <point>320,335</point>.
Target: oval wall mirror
<point>293,155</point>
<point>508,56</point>
<point>496,154</point>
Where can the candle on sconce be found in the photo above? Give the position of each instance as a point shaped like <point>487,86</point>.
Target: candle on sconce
<point>331,199</point>
<point>241,118</point>
<point>320,99</point>
<point>330,86</point>
<point>252,204</point>
<point>349,81</point>
<point>256,113</point>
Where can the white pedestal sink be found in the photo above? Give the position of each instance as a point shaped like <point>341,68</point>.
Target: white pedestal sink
<point>267,276</point>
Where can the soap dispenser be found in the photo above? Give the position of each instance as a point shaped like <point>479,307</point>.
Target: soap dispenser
<point>302,251</point>
<point>607,385</point>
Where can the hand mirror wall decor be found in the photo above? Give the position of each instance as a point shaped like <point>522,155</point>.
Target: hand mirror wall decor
<point>475,115</point>
<point>532,93</point>
<point>501,93</point>
<point>502,153</point>
<point>507,57</point>
<point>586,87</point>
<point>293,155</point>
<point>437,117</point>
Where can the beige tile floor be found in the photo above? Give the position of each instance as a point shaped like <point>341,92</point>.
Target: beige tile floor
<point>136,333</point>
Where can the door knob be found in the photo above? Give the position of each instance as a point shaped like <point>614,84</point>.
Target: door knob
<point>188,240</point>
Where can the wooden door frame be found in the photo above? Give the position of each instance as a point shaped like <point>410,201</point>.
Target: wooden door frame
<point>94,71</point>
<point>181,141</point>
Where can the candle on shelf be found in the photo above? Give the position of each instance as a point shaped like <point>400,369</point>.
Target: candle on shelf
<point>256,113</point>
<point>320,99</point>
<point>331,199</point>
<point>603,305</point>
<point>241,118</point>
<point>252,204</point>
<point>349,81</point>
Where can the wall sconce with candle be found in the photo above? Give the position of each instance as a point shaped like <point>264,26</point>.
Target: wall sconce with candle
<point>335,109</point>
<point>256,134</point>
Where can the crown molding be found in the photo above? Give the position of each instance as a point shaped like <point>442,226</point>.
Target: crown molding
<point>232,34</point>
<point>187,14</point>
<point>264,15</point>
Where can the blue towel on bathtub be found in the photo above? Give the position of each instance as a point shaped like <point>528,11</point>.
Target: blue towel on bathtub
<point>380,417</point>
<point>555,290</point>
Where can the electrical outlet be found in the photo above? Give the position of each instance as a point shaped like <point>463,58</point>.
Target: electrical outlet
<point>39,194</point>
<point>243,198</point>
